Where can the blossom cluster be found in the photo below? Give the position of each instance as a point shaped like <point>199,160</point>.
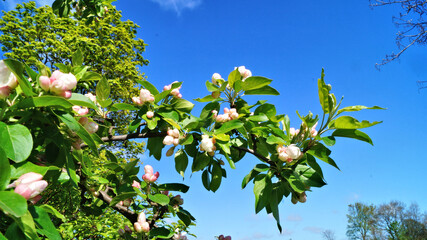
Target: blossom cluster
<point>299,197</point>
<point>59,83</point>
<point>179,235</point>
<point>215,78</point>
<point>175,92</point>
<point>312,131</point>
<point>208,145</point>
<point>144,96</point>
<point>289,153</point>
<point>229,114</point>
<point>245,73</point>
<point>149,175</point>
<point>81,111</point>
<point>30,185</point>
<point>172,137</point>
<point>141,225</point>
<point>8,80</point>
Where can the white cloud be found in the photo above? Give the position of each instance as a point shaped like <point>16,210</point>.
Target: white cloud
<point>315,230</point>
<point>178,5</point>
<point>294,218</point>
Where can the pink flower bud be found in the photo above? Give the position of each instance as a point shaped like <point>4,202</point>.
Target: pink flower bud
<point>226,110</point>
<point>31,190</point>
<point>179,200</point>
<point>175,133</point>
<point>175,141</point>
<point>167,87</point>
<point>44,82</point>
<point>137,101</point>
<point>137,227</point>
<point>91,97</point>
<point>69,81</point>
<point>179,96</point>
<point>4,92</point>
<point>66,94</point>
<point>146,96</point>
<point>141,217</point>
<point>55,75</point>
<point>145,227</point>
<point>35,199</point>
<point>302,198</point>
<point>148,169</point>
<point>83,121</point>
<point>136,184</point>
<point>168,140</point>
<point>150,114</point>
<point>29,178</point>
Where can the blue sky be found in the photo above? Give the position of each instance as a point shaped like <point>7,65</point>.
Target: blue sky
<point>290,42</point>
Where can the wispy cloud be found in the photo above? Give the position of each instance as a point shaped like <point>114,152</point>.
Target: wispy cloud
<point>178,5</point>
<point>315,230</point>
<point>294,218</point>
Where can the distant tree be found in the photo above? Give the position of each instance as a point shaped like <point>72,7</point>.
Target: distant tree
<point>361,220</point>
<point>390,218</point>
<point>328,235</point>
<point>412,22</point>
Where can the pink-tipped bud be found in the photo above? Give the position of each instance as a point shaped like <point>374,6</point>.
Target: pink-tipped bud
<point>137,227</point>
<point>145,227</point>
<point>168,140</point>
<point>91,127</point>
<point>55,75</point>
<point>66,94</point>
<point>150,114</point>
<point>136,184</point>
<point>141,217</point>
<point>302,198</point>
<point>175,141</point>
<point>215,78</point>
<point>44,82</point>
<point>31,190</point>
<point>167,88</point>
<point>148,169</point>
<point>83,121</point>
<point>28,178</point>
<point>137,101</point>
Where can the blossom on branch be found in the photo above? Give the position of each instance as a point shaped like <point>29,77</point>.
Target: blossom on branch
<point>8,80</point>
<point>208,145</point>
<point>59,83</point>
<point>149,175</point>
<point>289,153</point>
<point>30,185</point>
<point>141,225</point>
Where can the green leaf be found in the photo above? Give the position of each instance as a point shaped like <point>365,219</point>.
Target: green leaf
<point>181,162</point>
<point>267,109</point>
<point>228,126</point>
<point>122,197</point>
<point>79,130</point>
<point>155,145</point>
<point>150,87</point>
<point>18,70</point>
<point>81,100</point>
<point>184,218</point>
<point>45,101</point>
<point>347,122</point>
<point>71,168</point>
<point>216,177</point>
<point>77,58</point>
<point>266,90</point>
<point>353,133</point>
<point>311,161</point>
<point>357,108</point>
<point>4,170</point>
<point>251,175</point>
<point>210,86</point>
<point>206,180</point>
<point>322,153</point>
<point>262,191</point>
<point>207,98</point>
<point>44,224</point>
<point>102,90</point>
<point>159,198</point>
<point>261,117</point>
<point>13,232</point>
<point>329,140</point>
<point>182,105</point>
<point>53,211</point>
<point>2,237</point>
<point>124,106</point>
<point>161,232</point>
<point>13,203</point>
<point>233,77</point>
<point>26,224</point>
<point>90,77</point>
<point>207,110</point>
<point>274,206</point>
<point>130,166</point>
<point>200,161</point>
<point>251,83</point>
<point>174,187</point>
<point>323,92</point>
<point>16,141</point>
<point>18,169</point>
<point>275,140</point>
<point>309,176</point>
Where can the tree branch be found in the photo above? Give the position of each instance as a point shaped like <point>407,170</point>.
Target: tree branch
<point>129,136</point>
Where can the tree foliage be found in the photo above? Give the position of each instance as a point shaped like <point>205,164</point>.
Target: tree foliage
<point>411,20</point>
<point>389,221</point>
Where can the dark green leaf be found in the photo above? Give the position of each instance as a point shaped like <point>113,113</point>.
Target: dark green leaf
<point>216,177</point>
<point>268,109</point>
<point>16,141</point>
<point>181,162</point>
<point>266,90</point>
<point>162,233</point>
<point>200,161</point>
<point>155,145</point>
<point>329,140</point>
<point>322,153</point>
<point>353,133</point>
<point>159,198</point>
<point>184,218</point>
<point>206,179</point>
<point>44,101</point>
<point>173,187</point>
<point>53,211</point>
